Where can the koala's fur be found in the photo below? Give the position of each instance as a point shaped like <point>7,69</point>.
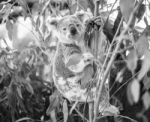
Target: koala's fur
<point>72,59</point>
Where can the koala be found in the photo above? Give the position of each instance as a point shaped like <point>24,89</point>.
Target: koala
<point>72,62</point>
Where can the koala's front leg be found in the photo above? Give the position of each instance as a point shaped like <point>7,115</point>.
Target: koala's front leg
<point>88,74</point>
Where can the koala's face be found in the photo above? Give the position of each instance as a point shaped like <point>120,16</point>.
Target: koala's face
<point>70,30</point>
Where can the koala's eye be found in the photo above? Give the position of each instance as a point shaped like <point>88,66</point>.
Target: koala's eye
<point>78,25</point>
<point>64,29</point>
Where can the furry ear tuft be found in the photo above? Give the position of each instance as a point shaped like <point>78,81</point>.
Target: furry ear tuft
<point>53,22</point>
<point>83,16</point>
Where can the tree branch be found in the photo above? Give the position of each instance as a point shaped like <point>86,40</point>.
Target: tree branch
<point>96,33</point>
<point>96,106</point>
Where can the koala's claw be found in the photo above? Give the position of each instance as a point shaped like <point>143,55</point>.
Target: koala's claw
<point>88,56</point>
<point>95,21</point>
<point>88,84</point>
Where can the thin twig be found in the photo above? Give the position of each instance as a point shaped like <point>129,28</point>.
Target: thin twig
<point>80,114</point>
<point>120,88</point>
<point>124,84</point>
<point>96,106</point>
<point>111,10</point>
<point>110,47</point>
<point>100,84</point>
<point>126,117</point>
<point>96,11</point>
<point>96,34</point>
<point>91,106</point>
<point>73,107</point>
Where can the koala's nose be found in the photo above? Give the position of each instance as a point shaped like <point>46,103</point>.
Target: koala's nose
<point>73,30</point>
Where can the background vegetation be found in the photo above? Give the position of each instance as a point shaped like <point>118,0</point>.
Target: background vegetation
<point>27,92</point>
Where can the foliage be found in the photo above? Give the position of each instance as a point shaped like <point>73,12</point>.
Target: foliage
<point>27,92</point>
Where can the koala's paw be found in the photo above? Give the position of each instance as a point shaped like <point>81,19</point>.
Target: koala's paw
<point>95,21</point>
<point>87,78</point>
<point>88,57</point>
<point>110,111</point>
<point>78,67</point>
<point>86,84</point>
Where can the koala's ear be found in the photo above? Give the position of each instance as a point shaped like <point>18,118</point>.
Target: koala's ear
<point>53,22</point>
<point>83,16</point>
<point>80,16</point>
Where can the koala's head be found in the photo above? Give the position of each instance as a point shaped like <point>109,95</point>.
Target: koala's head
<point>69,29</point>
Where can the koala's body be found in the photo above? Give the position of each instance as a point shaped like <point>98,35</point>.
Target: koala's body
<point>72,62</point>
